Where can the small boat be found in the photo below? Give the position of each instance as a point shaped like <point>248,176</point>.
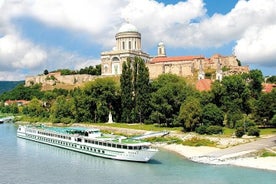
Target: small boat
<point>90,141</point>
<point>6,119</point>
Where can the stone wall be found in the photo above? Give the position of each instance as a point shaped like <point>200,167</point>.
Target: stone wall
<point>52,79</point>
<point>178,68</point>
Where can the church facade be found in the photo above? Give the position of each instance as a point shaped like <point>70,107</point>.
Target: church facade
<point>128,45</point>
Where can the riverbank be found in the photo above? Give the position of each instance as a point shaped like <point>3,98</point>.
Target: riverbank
<point>242,159</point>
<point>248,158</point>
<point>203,154</point>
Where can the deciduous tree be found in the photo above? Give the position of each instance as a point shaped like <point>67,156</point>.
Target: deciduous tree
<point>190,114</point>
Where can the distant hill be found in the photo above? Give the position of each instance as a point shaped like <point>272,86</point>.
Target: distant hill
<point>8,85</point>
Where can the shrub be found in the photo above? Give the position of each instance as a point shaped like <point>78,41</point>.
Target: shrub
<point>253,131</point>
<point>67,120</point>
<point>239,132</point>
<point>268,154</point>
<point>195,141</point>
<point>214,130</point>
<point>201,130</point>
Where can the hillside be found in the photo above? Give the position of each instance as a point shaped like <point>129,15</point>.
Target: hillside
<point>8,85</point>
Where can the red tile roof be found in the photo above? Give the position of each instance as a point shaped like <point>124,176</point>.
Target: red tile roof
<point>18,102</point>
<point>204,85</point>
<point>175,59</point>
<point>267,88</point>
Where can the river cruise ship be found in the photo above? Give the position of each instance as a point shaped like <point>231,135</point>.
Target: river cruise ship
<point>90,141</point>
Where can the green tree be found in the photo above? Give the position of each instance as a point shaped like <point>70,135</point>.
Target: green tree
<point>62,110</point>
<point>135,91</point>
<point>142,90</point>
<point>103,96</point>
<point>84,106</point>
<point>20,92</point>
<point>190,114</point>
<point>273,120</point>
<point>169,91</point>
<point>91,70</point>
<point>239,62</point>
<point>212,115</point>
<point>126,91</point>
<point>233,116</point>
<point>271,79</point>
<point>46,72</point>
<point>34,108</point>
<point>235,96</point>
<point>255,82</point>
<point>217,93</point>
<point>265,108</point>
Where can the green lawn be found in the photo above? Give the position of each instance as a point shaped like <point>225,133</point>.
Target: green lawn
<point>228,132</point>
<point>263,131</point>
<point>266,153</point>
<point>138,126</point>
<point>267,131</point>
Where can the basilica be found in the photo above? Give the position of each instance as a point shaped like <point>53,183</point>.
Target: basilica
<point>128,45</point>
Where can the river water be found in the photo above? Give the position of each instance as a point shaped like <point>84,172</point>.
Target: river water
<point>27,162</point>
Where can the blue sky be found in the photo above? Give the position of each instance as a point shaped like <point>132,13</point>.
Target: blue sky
<point>53,34</point>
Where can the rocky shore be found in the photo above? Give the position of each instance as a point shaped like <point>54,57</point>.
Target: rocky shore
<point>243,159</point>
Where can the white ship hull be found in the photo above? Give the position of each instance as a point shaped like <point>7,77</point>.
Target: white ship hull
<point>135,153</point>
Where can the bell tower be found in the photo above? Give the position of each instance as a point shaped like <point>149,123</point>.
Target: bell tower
<point>161,50</point>
<point>201,73</point>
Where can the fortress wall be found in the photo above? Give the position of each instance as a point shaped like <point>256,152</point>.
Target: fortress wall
<point>65,79</point>
<point>183,69</point>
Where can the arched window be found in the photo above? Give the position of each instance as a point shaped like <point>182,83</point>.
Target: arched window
<point>115,59</point>
<point>160,51</point>
<point>105,68</point>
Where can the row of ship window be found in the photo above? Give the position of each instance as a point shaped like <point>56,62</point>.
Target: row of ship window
<point>114,145</point>
<point>67,144</point>
<point>54,135</point>
<point>119,146</point>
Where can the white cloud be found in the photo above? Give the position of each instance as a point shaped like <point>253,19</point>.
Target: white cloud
<point>59,59</point>
<point>17,54</point>
<point>251,24</point>
<point>86,63</point>
<point>258,45</point>
<point>10,75</point>
<point>159,22</point>
<point>96,17</point>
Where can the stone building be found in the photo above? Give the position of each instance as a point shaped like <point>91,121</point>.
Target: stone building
<point>180,65</point>
<point>128,44</point>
